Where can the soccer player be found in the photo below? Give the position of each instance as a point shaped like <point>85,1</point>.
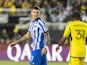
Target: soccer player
<point>77,30</point>
<point>40,38</point>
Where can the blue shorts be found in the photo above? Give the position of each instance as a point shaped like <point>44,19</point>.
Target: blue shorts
<point>37,58</point>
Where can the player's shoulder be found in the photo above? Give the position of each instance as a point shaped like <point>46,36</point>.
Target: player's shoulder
<point>69,23</point>
<point>42,21</point>
<point>83,23</point>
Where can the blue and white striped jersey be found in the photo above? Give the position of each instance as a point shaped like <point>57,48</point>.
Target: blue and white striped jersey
<point>37,29</point>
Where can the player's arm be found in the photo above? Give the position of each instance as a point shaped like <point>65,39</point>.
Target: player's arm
<point>47,38</point>
<point>64,37</point>
<point>61,42</point>
<point>47,42</point>
<point>25,37</point>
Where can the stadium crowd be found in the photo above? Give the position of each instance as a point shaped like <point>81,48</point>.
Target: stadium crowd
<point>55,11</point>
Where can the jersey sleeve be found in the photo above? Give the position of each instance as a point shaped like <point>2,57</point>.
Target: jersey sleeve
<point>29,27</point>
<point>43,27</point>
<point>67,31</point>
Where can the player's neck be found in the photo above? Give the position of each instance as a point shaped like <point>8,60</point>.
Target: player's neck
<point>76,20</point>
<point>33,19</point>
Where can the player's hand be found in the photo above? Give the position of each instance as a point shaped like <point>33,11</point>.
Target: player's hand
<point>13,43</point>
<point>57,48</point>
<point>44,51</point>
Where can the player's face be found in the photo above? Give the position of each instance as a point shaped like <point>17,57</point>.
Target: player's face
<point>35,14</point>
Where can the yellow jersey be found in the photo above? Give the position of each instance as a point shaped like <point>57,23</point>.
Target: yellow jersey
<point>78,32</point>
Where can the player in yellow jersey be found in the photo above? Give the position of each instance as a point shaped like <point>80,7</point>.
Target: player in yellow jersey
<point>78,32</point>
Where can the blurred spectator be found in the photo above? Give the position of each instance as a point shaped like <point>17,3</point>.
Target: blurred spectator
<point>1,3</point>
<point>10,4</point>
<point>45,4</point>
<point>5,37</point>
<point>53,3</point>
<point>84,16</point>
<point>26,5</point>
<point>62,15</point>
<point>33,3</point>
<point>68,11</point>
<point>54,16</point>
<point>18,3</point>
<point>69,8</point>
<point>1,6</point>
<point>46,7</point>
<point>84,10</point>
<point>64,2</point>
<point>47,15</point>
<point>83,7</point>
<point>77,5</point>
<point>6,4</point>
<point>16,34</point>
<point>73,1</point>
<point>37,2</point>
<point>58,7</point>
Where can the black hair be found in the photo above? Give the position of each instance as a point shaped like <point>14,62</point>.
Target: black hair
<point>76,15</point>
<point>36,7</point>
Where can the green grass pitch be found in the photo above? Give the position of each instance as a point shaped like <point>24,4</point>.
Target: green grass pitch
<point>27,63</point>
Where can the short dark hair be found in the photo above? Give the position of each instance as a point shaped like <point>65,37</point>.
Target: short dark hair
<point>76,15</point>
<point>36,7</point>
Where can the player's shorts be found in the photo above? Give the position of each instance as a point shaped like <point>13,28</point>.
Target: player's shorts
<point>37,58</point>
<point>76,61</point>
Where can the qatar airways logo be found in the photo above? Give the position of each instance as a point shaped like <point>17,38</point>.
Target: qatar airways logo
<point>25,52</point>
<point>20,54</point>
